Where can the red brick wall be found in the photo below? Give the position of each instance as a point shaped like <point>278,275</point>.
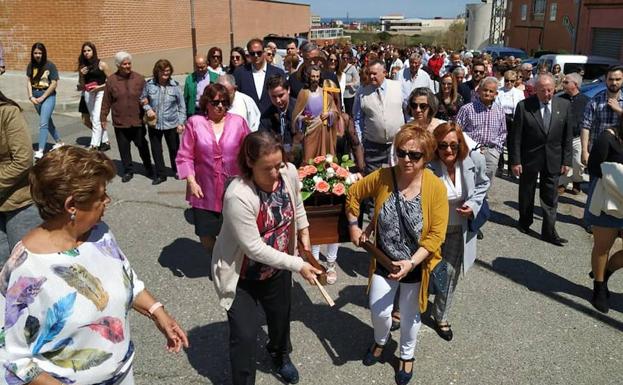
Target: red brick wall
<point>149,30</point>
<point>598,14</point>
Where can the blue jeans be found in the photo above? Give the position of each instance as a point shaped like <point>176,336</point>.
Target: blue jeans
<point>14,225</point>
<point>46,124</point>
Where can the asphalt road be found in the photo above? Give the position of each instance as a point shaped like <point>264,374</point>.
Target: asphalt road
<point>520,316</point>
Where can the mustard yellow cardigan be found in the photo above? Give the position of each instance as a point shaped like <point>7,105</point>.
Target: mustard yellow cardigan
<point>379,185</point>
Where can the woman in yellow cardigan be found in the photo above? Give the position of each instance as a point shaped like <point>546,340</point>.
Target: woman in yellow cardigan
<point>411,236</point>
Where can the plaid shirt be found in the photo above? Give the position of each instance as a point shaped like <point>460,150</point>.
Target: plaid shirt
<point>485,125</point>
<point>598,116</point>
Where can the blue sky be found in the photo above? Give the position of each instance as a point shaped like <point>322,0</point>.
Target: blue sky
<point>376,8</point>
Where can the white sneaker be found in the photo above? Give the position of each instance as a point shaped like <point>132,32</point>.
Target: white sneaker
<point>331,273</point>
<point>38,155</point>
<point>58,145</point>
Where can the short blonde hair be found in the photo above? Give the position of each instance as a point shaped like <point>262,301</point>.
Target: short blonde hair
<point>68,172</point>
<point>421,136</point>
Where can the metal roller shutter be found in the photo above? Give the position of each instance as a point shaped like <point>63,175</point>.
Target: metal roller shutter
<point>607,42</point>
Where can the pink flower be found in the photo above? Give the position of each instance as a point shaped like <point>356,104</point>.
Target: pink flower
<point>335,166</point>
<point>322,186</point>
<point>319,159</point>
<point>302,174</point>
<point>342,172</point>
<point>339,189</point>
<point>310,170</point>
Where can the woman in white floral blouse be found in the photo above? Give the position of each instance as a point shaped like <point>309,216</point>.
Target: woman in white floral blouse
<point>67,287</point>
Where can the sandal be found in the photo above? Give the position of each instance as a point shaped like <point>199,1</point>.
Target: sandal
<point>402,376</point>
<point>370,358</point>
<point>395,321</point>
<point>444,331</point>
<point>331,273</point>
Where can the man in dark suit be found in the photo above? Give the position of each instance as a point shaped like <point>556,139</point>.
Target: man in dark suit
<point>278,117</point>
<point>251,78</point>
<point>541,149</point>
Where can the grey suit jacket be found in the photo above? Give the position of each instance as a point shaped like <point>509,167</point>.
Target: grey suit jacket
<point>475,184</point>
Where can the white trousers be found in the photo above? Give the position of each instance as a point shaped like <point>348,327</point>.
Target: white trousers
<point>576,166</point>
<point>382,293</point>
<point>331,252</point>
<point>94,104</point>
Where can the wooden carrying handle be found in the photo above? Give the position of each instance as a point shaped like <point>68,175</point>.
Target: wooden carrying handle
<point>380,256</point>
<point>322,278</point>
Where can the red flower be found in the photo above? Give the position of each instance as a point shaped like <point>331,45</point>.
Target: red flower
<point>319,159</point>
<point>342,172</point>
<point>339,189</point>
<point>322,186</point>
<point>310,170</point>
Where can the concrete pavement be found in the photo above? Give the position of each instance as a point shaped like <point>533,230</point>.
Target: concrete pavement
<point>520,316</point>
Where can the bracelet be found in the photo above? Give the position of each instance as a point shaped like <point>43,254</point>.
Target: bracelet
<point>153,309</point>
<point>353,223</point>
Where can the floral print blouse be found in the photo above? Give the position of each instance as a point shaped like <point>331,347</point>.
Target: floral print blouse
<point>66,313</point>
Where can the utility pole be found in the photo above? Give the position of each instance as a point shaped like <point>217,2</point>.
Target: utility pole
<point>498,22</point>
<point>231,25</point>
<point>193,30</point>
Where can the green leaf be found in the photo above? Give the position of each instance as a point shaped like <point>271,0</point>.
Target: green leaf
<point>77,360</point>
<point>305,195</point>
<point>345,158</point>
<point>2,337</point>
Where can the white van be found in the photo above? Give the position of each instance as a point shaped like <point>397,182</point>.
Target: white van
<point>593,66</point>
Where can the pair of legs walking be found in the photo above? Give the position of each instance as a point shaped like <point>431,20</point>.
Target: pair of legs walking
<point>46,124</point>
<point>135,135</point>
<point>172,138</point>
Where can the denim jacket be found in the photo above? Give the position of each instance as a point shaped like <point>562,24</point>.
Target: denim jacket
<point>167,102</point>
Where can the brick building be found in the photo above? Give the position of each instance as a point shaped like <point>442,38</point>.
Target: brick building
<point>149,30</point>
<point>553,25</point>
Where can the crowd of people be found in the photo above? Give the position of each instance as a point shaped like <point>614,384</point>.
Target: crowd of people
<point>428,130</point>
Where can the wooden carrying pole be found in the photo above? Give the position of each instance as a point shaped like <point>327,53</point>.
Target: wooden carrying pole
<point>309,257</point>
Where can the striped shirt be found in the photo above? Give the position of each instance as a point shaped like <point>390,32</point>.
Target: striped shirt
<point>598,116</point>
<point>485,125</point>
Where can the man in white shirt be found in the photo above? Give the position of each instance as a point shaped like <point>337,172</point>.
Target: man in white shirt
<point>413,77</point>
<point>241,104</point>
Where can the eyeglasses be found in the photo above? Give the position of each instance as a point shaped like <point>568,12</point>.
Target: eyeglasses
<point>510,80</point>
<point>413,155</point>
<point>444,146</point>
<point>236,57</point>
<point>422,106</point>
<point>219,102</point>
<point>478,72</point>
<point>256,53</point>
<point>269,54</point>
<point>333,60</point>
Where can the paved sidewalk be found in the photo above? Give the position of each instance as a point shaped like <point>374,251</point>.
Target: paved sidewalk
<point>520,316</point>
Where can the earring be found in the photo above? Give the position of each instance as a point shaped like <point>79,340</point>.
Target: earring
<point>72,217</point>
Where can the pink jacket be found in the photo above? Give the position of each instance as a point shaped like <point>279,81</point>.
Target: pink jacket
<point>211,162</point>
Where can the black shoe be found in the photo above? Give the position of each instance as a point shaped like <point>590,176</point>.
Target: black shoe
<point>370,359</point>
<point>444,331</point>
<point>524,229</point>
<point>149,172</point>
<point>606,278</point>
<point>556,240</point>
<point>285,368</point>
<point>104,146</point>
<point>127,177</point>
<point>403,377</point>
<point>479,235</point>
<point>600,299</point>
<point>158,180</point>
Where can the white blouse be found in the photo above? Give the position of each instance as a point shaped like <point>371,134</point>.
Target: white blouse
<point>455,192</point>
<point>508,99</point>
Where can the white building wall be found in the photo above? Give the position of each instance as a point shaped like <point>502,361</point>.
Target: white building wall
<point>477,24</point>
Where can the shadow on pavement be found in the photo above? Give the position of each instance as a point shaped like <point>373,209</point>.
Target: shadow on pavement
<point>186,258</point>
<point>208,352</point>
<point>538,212</point>
<point>353,262</point>
<point>537,279</point>
<point>334,328</point>
<point>83,141</point>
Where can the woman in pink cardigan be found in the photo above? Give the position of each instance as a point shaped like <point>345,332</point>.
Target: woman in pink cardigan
<point>207,159</point>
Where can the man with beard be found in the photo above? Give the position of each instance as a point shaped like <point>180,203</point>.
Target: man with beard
<point>605,110</point>
<point>311,56</point>
<point>469,90</point>
<point>315,115</point>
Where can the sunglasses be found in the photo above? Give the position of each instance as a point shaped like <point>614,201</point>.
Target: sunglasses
<point>413,155</point>
<point>236,57</point>
<point>256,53</point>
<point>510,80</point>
<point>444,146</point>
<point>220,102</point>
<point>422,106</point>
<point>333,60</point>
<point>478,72</point>
<point>269,54</point>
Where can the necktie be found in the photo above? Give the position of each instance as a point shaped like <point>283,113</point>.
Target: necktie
<point>378,93</point>
<point>282,123</point>
<point>547,116</point>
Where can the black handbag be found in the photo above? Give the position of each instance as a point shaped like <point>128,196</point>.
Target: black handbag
<point>438,283</point>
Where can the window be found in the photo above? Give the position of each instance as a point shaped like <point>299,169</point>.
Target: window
<point>539,9</point>
<point>524,12</point>
<point>553,10</point>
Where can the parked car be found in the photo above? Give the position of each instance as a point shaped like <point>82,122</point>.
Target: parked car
<point>283,41</point>
<point>591,89</point>
<point>495,51</point>
<point>593,67</point>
